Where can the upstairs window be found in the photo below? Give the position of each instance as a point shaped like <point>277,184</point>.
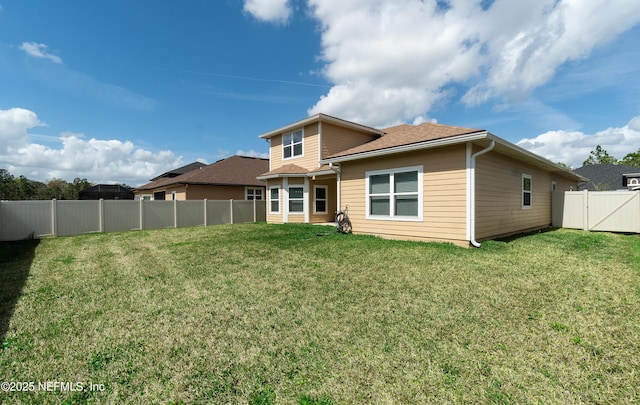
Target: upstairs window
<point>292,144</point>
<point>526,191</point>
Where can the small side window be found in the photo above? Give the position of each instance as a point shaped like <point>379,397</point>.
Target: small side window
<point>274,200</point>
<point>526,191</point>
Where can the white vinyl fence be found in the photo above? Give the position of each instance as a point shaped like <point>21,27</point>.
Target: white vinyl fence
<point>613,211</point>
<point>37,219</point>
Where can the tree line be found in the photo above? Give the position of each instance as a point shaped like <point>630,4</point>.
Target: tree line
<point>22,188</point>
<point>600,156</point>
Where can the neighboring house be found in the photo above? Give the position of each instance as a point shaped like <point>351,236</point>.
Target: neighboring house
<point>181,170</point>
<point>423,182</point>
<point>230,178</point>
<point>609,177</point>
<point>106,192</point>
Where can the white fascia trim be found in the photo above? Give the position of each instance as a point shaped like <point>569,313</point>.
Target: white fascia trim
<point>324,118</point>
<point>408,148</point>
<point>321,173</point>
<point>276,176</point>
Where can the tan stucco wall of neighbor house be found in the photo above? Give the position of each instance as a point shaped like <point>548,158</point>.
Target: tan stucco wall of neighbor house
<point>201,192</point>
<point>499,210</point>
<point>444,187</point>
<point>180,190</point>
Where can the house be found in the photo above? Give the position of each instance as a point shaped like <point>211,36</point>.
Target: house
<point>414,182</point>
<point>181,170</point>
<point>230,178</point>
<point>106,192</point>
<point>609,177</point>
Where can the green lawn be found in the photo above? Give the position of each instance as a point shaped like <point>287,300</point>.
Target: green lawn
<point>264,314</point>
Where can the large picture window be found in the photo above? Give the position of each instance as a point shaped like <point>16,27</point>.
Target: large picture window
<point>296,199</point>
<point>395,194</point>
<point>292,144</point>
<point>526,191</point>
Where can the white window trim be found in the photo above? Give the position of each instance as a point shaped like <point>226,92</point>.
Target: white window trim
<point>391,172</point>
<point>325,199</point>
<point>279,200</point>
<point>301,142</point>
<point>523,191</point>
<point>296,199</point>
<point>254,189</point>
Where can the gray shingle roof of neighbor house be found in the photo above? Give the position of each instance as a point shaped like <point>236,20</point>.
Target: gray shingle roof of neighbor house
<point>232,171</point>
<point>180,170</point>
<point>605,177</point>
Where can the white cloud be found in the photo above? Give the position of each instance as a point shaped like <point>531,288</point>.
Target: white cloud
<point>252,153</point>
<point>273,11</point>
<point>101,161</point>
<point>39,51</point>
<point>14,124</point>
<point>574,147</point>
<point>391,60</point>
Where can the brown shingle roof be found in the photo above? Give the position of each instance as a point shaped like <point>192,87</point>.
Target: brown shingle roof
<point>406,134</point>
<point>232,171</point>
<point>292,170</point>
<point>286,169</point>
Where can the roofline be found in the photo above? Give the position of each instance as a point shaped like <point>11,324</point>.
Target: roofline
<point>452,140</point>
<point>631,174</point>
<point>277,175</point>
<point>321,118</point>
<point>536,157</point>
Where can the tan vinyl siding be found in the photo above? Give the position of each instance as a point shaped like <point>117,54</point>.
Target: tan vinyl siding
<point>499,208</point>
<point>336,139</point>
<point>444,186</point>
<point>200,192</point>
<point>275,152</point>
<point>309,159</point>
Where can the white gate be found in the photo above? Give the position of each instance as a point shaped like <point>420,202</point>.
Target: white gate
<point>613,211</point>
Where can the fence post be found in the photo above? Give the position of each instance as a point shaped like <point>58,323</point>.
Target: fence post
<point>254,210</point>
<point>175,213</point>
<point>54,217</point>
<point>231,209</point>
<point>101,215</point>
<point>141,214</point>
<point>205,211</point>
<point>585,213</point>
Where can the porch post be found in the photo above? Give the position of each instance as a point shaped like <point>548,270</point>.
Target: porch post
<point>306,201</point>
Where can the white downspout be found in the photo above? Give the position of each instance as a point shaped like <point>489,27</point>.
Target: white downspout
<point>472,189</point>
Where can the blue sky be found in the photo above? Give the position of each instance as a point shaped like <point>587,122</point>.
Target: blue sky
<point>121,91</point>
